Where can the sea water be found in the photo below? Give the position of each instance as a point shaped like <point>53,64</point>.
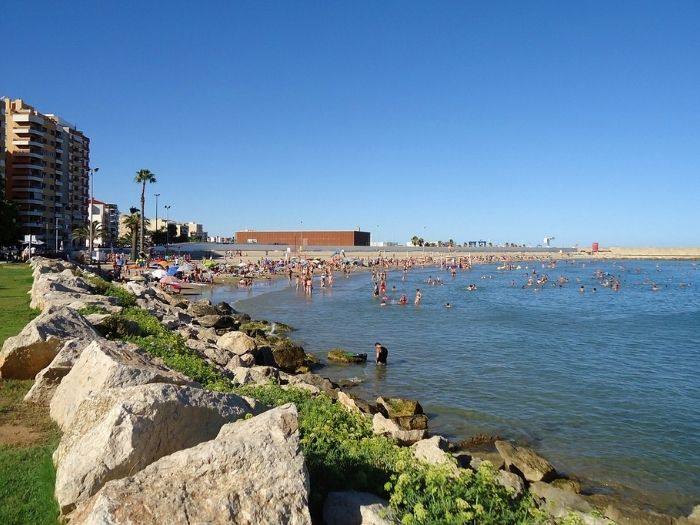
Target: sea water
<point>604,384</point>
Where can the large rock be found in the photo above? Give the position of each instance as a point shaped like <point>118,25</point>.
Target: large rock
<point>284,355</point>
<point>107,364</point>
<point>342,356</point>
<point>355,403</point>
<point>46,382</point>
<point>432,451</point>
<point>119,431</point>
<point>252,473</point>
<point>47,283</point>
<point>356,508</point>
<point>557,502</point>
<point>526,461</point>
<point>26,354</point>
<point>324,384</point>
<point>386,427</point>
<point>218,322</point>
<point>393,407</point>
<point>236,343</point>
<point>256,375</point>
<point>202,308</point>
<point>510,481</point>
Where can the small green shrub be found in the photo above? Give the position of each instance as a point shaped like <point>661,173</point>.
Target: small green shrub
<point>92,309</point>
<point>102,287</point>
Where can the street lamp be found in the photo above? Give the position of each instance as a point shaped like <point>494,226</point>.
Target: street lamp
<point>91,173</point>
<point>167,230</point>
<point>155,227</point>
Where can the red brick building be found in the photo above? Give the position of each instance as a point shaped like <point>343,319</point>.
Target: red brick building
<point>304,238</point>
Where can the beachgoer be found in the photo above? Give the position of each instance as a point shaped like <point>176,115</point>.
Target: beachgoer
<point>448,305</point>
<point>381,353</point>
<point>419,296</point>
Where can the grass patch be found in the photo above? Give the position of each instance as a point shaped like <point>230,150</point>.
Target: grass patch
<point>15,282</point>
<point>28,438</point>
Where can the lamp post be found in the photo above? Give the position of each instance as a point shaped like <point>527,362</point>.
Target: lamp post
<point>167,223</point>
<point>155,228</point>
<point>91,172</point>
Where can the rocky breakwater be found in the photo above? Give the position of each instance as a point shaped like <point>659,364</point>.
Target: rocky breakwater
<point>143,443</point>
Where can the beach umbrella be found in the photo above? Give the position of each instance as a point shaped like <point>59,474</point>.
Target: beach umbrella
<point>173,270</point>
<point>185,267</point>
<point>158,274</point>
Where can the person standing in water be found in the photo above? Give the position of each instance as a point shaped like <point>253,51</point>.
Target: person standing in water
<point>381,353</point>
<point>419,296</point>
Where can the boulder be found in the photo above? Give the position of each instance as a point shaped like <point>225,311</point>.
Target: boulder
<point>356,508</point>
<point>246,360</point>
<point>217,355</point>
<point>119,431</point>
<point>348,402</point>
<point>254,328</point>
<point>432,450</point>
<point>324,384</point>
<point>386,427</point>
<point>203,308</point>
<point>254,375</point>
<point>339,355</point>
<point>236,343</point>
<point>51,283</point>
<point>474,459</point>
<point>287,355</point>
<point>116,326</point>
<point>557,502</point>
<point>510,481</point>
<point>218,322</point>
<point>526,461</point>
<point>566,484</point>
<point>415,422</point>
<point>26,354</point>
<point>396,407</point>
<point>253,472</point>
<point>224,308</point>
<point>46,382</point>
<point>107,364</point>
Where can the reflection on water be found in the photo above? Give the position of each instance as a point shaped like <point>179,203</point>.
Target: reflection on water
<point>606,384</point>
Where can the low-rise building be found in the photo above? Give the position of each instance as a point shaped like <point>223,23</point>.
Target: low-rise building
<point>305,238</point>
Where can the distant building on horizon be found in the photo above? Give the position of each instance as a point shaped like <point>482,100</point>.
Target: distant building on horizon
<point>305,238</point>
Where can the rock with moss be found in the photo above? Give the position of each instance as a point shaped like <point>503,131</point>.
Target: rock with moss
<point>531,465</point>
<point>255,328</point>
<point>338,355</point>
<point>395,407</point>
<point>118,327</point>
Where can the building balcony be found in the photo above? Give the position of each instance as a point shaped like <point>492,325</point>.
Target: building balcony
<point>31,213</point>
<point>23,200</point>
<point>27,176</point>
<point>32,154</point>
<point>27,117</point>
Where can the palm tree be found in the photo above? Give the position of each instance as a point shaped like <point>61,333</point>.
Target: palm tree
<point>132,222</point>
<point>414,240</point>
<point>142,177</point>
<point>89,233</point>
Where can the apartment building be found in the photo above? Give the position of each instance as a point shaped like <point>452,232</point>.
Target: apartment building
<point>47,163</point>
<point>2,148</point>
<point>107,215</point>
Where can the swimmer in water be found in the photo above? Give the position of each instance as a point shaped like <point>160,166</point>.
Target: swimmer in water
<point>447,305</point>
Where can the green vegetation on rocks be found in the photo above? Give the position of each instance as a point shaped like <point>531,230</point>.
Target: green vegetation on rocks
<point>102,287</point>
<point>343,356</point>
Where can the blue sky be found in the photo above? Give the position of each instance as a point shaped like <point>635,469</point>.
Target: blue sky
<point>502,121</point>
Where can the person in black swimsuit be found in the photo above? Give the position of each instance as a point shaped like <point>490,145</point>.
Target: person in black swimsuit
<point>381,352</point>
